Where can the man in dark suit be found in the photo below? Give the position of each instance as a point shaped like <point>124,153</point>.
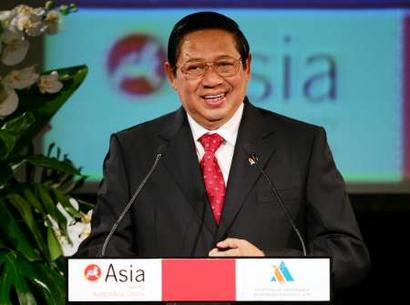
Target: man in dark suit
<point>207,197</point>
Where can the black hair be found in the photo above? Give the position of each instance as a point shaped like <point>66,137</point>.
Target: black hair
<point>201,21</point>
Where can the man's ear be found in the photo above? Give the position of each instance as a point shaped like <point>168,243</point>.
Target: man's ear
<point>170,74</point>
<point>248,70</point>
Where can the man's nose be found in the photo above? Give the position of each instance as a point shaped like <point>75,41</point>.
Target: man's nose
<point>211,77</point>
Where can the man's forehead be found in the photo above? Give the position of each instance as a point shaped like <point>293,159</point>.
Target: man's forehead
<point>208,44</point>
<point>213,34</point>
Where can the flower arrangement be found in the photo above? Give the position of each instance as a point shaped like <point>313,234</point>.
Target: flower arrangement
<point>41,220</point>
<point>16,26</point>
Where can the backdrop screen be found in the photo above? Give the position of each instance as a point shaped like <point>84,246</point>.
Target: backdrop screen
<point>344,69</point>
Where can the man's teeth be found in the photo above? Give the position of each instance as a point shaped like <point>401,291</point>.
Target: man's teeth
<point>214,97</point>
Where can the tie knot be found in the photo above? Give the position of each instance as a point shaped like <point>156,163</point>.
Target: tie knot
<point>211,142</point>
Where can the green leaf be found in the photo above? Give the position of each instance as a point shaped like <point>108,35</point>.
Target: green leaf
<point>54,282</point>
<point>50,206</point>
<point>54,246</point>
<point>32,199</point>
<point>2,244</point>
<point>65,202</point>
<point>50,148</point>
<point>24,209</point>
<point>5,174</point>
<point>13,131</point>
<point>20,276</point>
<point>53,163</point>
<point>18,125</point>
<point>60,182</point>
<point>75,184</point>
<point>46,200</point>
<point>13,278</point>
<point>7,143</point>
<point>25,276</point>
<point>14,236</point>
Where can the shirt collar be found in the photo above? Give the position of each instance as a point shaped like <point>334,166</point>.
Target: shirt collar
<point>228,131</point>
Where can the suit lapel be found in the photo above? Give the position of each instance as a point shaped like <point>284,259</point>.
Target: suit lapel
<point>254,136</point>
<point>182,163</point>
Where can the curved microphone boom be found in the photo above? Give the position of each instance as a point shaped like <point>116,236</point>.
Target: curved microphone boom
<point>253,160</point>
<point>160,154</point>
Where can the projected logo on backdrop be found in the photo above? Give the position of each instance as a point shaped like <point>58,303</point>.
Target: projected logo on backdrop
<point>135,64</point>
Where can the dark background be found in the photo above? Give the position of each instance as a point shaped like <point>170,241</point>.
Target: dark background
<point>384,220</point>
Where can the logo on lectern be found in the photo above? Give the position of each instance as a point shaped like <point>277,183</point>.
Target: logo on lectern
<point>92,272</point>
<point>281,274</point>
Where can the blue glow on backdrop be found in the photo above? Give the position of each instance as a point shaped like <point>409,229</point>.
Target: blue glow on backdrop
<point>341,69</point>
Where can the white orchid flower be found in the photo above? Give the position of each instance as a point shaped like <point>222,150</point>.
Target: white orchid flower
<point>22,13</point>
<point>29,20</point>
<point>15,26</point>
<point>38,14</point>
<point>18,17</point>
<point>50,83</point>
<point>20,79</point>
<point>76,234</point>
<point>77,231</point>
<point>8,100</point>
<point>35,28</point>
<point>20,22</point>
<point>16,47</point>
<point>68,248</point>
<point>5,17</point>
<point>10,35</point>
<point>52,22</point>
<point>53,223</point>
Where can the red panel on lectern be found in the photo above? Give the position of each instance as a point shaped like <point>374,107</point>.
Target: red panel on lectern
<point>191,280</point>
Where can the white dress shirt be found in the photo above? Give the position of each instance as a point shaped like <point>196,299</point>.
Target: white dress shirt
<point>228,131</point>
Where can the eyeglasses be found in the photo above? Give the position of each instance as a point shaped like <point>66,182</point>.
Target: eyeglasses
<point>225,67</point>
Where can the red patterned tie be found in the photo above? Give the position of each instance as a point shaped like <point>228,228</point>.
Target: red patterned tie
<point>214,180</point>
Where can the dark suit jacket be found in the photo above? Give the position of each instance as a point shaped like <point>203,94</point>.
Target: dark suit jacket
<point>172,218</point>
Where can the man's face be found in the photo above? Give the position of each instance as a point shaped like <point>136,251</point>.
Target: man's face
<point>211,99</point>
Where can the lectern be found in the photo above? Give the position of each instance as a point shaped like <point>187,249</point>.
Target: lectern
<point>199,279</point>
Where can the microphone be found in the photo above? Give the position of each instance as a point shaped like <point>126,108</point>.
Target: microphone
<point>253,161</point>
<point>159,155</point>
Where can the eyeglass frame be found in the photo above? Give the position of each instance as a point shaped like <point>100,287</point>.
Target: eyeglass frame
<point>208,65</point>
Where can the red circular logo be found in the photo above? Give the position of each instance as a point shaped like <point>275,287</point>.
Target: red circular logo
<point>92,272</point>
<point>135,64</point>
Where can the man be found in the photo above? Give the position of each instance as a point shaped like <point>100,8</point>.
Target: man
<point>207,195</point>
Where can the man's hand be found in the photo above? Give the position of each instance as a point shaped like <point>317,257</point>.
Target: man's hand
<point>235,247</point>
